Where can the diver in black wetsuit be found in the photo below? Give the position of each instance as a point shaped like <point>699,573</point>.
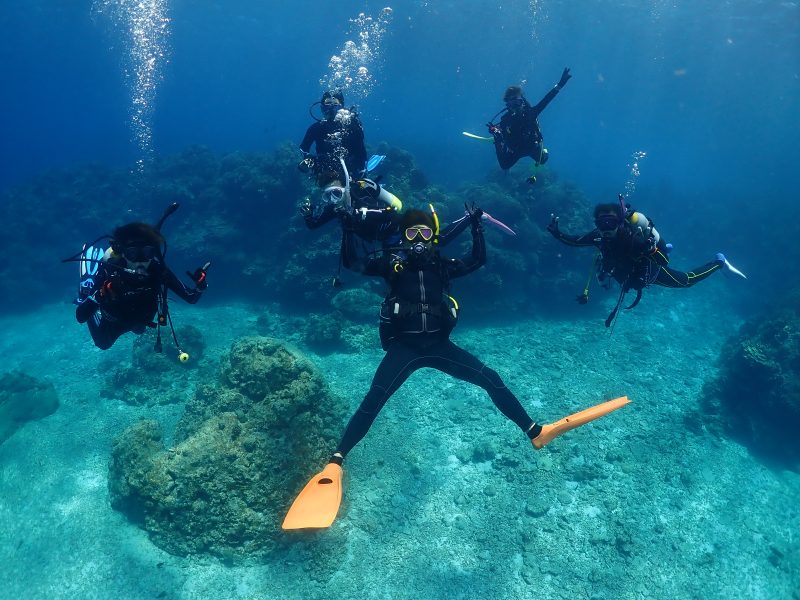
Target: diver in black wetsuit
<point>338,135</point>
<point>416,319</point>
<point>130,286</point>
<point>374,209</point>
<point>518,133</point>
<point>633,253</point>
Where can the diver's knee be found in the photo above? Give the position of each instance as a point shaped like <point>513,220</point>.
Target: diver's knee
<point>492,377</point>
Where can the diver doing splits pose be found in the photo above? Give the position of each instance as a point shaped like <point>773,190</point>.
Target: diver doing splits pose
<point>123,288</point>
<point>416,319</point>
<point>633,253</point>
<point>518,133</point>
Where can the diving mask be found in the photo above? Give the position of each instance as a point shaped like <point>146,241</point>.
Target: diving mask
<point>607,224</point>
<point>423,231</point>
<point>333,194</point>
<point>139,254</point>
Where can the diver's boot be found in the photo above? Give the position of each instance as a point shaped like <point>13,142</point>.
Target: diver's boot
<point>551,431</point>
<point>725,263</point>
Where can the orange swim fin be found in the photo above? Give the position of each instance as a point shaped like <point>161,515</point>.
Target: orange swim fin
<point>553,430</point>
<point>316,506</point>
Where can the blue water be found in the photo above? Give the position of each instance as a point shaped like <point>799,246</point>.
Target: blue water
<point>708,91</point>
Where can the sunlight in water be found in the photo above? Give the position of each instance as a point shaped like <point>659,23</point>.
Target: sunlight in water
<point>352,69</point>
<point>630,185</point>
<point>145,27</point>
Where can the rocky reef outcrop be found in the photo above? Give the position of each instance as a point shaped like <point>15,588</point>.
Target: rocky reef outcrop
<point>241,452</point>
<point>756,398</point>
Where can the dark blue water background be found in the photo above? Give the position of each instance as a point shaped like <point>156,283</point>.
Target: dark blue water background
<point>709,90</point>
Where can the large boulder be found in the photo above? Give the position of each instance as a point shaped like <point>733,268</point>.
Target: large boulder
<point>241,452</point>
<point>756,398</point>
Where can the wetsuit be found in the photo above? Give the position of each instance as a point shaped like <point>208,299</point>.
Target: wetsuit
<point>634,261</point>
<point>519,133</point>
<point>128,301</point>
<point>330,135</point>
<point>415,323</point>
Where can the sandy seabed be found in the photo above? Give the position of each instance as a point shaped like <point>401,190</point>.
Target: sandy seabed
<point>444,498</point>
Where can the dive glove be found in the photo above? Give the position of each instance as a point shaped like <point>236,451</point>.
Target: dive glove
<point>199,276</point>
<point>565,77</point>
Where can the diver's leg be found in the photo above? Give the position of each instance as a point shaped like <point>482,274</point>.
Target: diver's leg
<point>399,362</point>
<point>104,332</point>
<point>506,158</point>
<point>540,153</point>
<point>672,278</point>
<point>85,309</point>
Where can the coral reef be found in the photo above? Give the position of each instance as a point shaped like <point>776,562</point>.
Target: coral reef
<point>156,377</point>
<point>23,398</point>
<point>240,211</point>
<point>756,398</point>
<point>240,453</point>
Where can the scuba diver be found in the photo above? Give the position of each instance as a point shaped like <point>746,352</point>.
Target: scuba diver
<point>633,253</point>
<point>372,206</point>
<point>518,133</point>
<point>416,319</point>
<point>123,288</point>
<point>338,135</point>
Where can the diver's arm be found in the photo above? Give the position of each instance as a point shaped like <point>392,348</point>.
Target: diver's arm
<point>459,268</point>
<point>190,295</point>
<point>453,230</point>
<point>326,216</point>
<point>587,239</point>
<point>309,137</point>
<point>548,97</point>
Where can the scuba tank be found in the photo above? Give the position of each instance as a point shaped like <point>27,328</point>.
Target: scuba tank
<point>642,226</point>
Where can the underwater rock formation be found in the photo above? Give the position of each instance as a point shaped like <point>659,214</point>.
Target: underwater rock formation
<point>757,396</point>
<point>23,398</point>
<point>240,453</point>
<point>156,377</point>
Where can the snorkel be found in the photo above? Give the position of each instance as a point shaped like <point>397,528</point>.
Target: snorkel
<point>168,212</point>
<point>435,223</point>
<point>623,209</point>
<point>347,201</point>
